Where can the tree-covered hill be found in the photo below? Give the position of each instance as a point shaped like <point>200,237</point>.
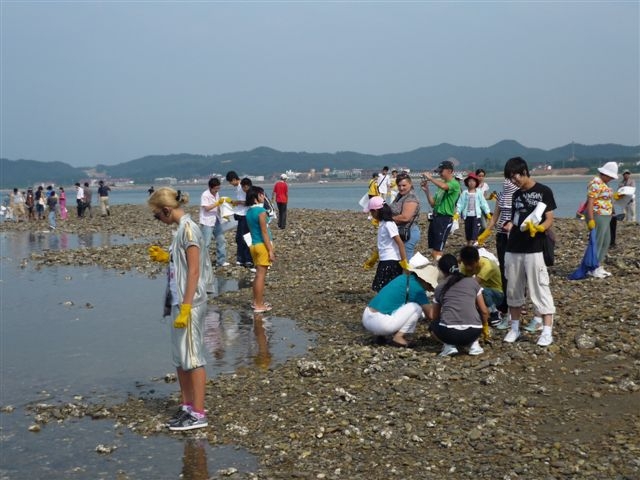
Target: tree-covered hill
<point>26,173</point>
<point>268,162</point>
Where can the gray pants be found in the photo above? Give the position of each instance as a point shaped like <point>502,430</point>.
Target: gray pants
<point>603,236</point>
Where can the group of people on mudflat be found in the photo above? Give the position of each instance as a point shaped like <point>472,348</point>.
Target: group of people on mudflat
<point>459,294</point>
<point>463,294</point>
<point>36,205</point>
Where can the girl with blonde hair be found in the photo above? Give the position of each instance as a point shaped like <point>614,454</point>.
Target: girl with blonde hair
<point>186,300</point>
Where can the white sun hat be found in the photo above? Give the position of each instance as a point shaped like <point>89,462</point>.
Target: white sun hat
<point>610,169</point>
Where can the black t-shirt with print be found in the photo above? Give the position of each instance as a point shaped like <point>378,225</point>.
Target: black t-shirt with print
<point>525,202</point>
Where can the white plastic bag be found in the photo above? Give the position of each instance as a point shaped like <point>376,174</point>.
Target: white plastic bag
<point>247,239</point>
<point>364,201</point>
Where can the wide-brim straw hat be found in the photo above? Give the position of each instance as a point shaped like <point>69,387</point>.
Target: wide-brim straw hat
<point>420,265</point>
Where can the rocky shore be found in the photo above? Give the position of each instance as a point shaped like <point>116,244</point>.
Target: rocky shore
<point>350,409</point>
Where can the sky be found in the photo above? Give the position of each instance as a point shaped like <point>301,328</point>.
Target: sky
<point>90,83</point>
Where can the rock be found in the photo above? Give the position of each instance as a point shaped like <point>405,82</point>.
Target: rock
<point>105,449</point>
<point>584,341</point>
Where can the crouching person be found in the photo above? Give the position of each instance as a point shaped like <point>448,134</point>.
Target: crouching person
<point>459,312</point>
<point>397,308</point>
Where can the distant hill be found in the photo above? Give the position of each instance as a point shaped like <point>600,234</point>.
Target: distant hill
<point>25,173</point>
<point>267,161</point>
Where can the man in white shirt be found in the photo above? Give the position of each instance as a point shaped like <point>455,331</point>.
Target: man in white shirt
<point>243,255</point>
<point>80,200</point>
<point>384,182</point>
<point>211,221</point>
<point>630,208</point>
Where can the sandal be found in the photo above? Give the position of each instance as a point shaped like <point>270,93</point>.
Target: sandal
<point>267,307</point>
<point>266,304</point>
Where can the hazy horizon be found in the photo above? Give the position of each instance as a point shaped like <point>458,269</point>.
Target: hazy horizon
<point>90,83</point>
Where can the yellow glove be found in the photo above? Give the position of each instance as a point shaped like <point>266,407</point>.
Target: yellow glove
<point>488,216</point>
<point>493,196</point>
<point>486,333</point>
<point>483,236</point>
<point>404,264</point>
<point>375,222</point>
<point>532,228</point>
<point>372,260</point>
<point>591,224</point>
<point>158,254</point>
<point>456,217</point>
<point>540,228</point>
<point>222,200</point>
<point>182,320</point>
<point>616,196</point>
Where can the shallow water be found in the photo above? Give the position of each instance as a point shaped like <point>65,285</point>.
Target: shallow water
<point>85,332</point>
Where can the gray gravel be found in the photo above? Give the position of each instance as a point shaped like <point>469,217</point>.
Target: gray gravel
<point>351,409</point>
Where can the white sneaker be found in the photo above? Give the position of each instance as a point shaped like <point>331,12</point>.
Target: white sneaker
<point>512,336</point>
<point>225,264</point>
<point>535,325</point>
<point>545,340</point>
<point>604,272</point>
<point>597,273</point>
<point>476,349</point>
<point>505,323</point>
<point>447,350</point>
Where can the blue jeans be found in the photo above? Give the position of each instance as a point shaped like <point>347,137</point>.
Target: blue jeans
<point>221,245</point>
<point>493,298</point>
<point>414,238</point>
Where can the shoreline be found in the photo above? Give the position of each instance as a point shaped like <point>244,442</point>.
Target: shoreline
<point>353,409</point>
<point>360,181</point>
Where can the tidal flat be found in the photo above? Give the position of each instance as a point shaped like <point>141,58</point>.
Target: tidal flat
<point>348,408</point>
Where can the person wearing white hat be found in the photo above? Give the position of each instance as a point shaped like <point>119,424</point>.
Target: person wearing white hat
<point>280,196</point>
<point>598,212</point>
<point>397,308</point>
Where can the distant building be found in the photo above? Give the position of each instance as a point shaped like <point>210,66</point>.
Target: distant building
<point>352,174</point>
<point>165,181</point>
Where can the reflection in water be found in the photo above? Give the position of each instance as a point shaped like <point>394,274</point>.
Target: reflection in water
<point>54,241</point>
<point>194,460</point>
<point>18,245</point>
<point>86,240</point>
<point>263,358</point>
<point>213,334</point>
<point>237,338</point>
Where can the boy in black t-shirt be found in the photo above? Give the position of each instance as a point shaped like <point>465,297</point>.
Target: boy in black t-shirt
<point>532,216</point>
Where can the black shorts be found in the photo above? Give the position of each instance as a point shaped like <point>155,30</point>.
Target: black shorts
<point>439,230</point>
<point>471,228</point>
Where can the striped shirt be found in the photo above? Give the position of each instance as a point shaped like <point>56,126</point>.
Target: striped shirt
<point>505,200</point>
